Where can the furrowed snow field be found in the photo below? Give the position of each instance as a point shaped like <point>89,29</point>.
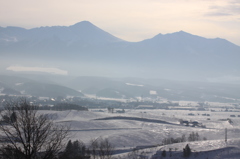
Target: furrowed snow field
<point>147,128</point>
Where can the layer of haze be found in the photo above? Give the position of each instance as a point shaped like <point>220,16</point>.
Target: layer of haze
<point>133,20</point>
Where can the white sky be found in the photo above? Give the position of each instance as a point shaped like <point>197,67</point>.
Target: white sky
<point>131,20</point>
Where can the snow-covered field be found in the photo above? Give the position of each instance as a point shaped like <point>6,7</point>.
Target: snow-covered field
<point>129,133</point>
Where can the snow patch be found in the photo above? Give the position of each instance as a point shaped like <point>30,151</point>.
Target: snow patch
<point>18,84</point>
<point>152,92</point>
<point>131,84</point>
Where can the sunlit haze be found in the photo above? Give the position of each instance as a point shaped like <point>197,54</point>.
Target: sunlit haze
<point>120,79</point>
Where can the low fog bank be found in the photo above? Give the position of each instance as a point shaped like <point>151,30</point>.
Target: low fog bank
<point>120,87</point>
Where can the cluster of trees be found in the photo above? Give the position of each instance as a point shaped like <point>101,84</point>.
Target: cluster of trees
<point>67,106</point>
<point>110,110</point>
<point>162,154</point>
<point>154,104</point>
<point>194,136</point>
<point>64,106</point>
<point>97,149</point>
<point>75,150</point>
<point>171,140</point>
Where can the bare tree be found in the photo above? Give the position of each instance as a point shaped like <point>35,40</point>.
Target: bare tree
<point>94,146</point>
<point>101,148</point>
<point>105,149</point>
<point>133,154</point>
<point>28,134</point>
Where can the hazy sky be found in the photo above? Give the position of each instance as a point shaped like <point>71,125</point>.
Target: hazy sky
<point>131,20</point>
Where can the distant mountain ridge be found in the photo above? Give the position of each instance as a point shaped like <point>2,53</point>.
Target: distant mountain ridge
<point>171,56</point>
<point>80,31</point>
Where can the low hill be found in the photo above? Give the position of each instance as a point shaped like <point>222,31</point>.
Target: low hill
<point>23,86</point>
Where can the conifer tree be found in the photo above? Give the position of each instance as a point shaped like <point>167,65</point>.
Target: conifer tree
<point>186,151</point>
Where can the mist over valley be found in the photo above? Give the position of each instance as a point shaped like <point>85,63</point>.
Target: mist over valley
<point>83,57</point>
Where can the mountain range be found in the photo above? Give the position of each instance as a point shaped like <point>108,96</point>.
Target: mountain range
<point>84,49</point>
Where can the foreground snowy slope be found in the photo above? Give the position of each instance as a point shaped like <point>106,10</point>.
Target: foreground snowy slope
<point>128,134</point>
<point>214,149</point>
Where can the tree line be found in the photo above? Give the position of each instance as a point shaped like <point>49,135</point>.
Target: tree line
<point>193,136</point>
<point>97,149</point>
